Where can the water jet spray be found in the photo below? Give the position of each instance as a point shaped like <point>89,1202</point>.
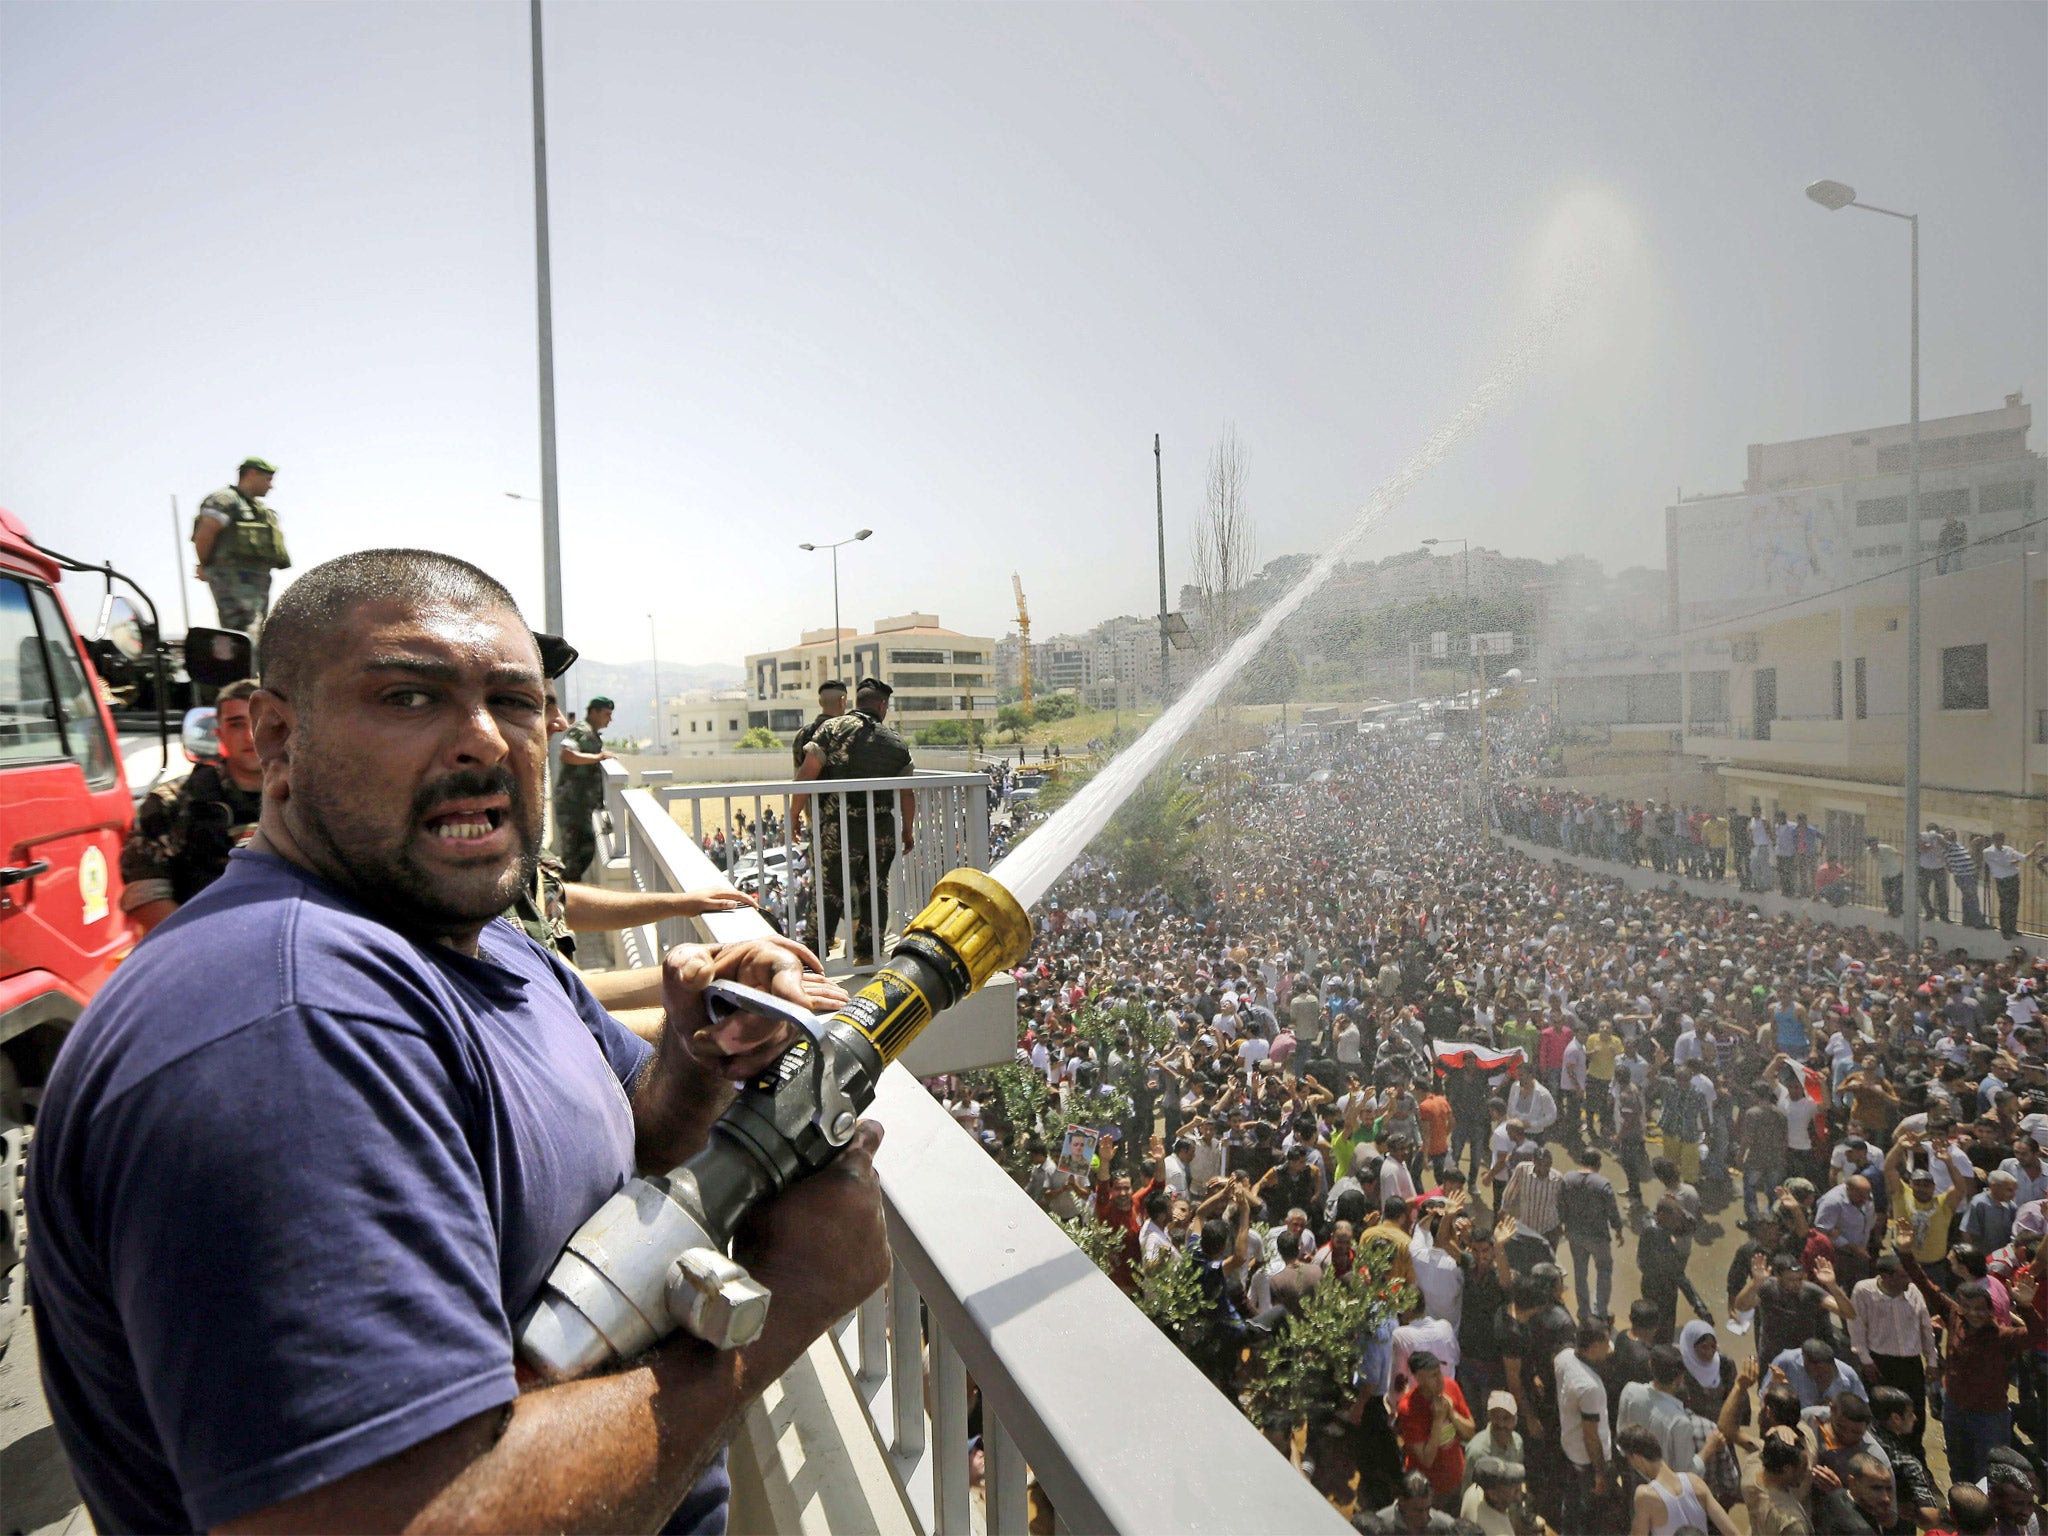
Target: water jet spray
<point>653,1258</point>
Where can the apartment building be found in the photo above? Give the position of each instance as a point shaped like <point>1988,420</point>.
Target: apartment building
<point>705,721</point>
<point>938,673</point>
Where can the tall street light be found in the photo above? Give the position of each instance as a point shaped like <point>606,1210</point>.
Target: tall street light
<point>550,503</point>
<point>1833,196</point>
<point>1479,658</point>
<point>654,646</point>
<point>838,660</point>
<point>568,681</point>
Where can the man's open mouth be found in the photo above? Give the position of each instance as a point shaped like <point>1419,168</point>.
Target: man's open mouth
<point>467,823</point>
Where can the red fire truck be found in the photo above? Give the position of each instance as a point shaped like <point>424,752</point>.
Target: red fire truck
<point>65,810</point>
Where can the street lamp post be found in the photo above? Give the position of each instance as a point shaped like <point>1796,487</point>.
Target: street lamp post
<point>660,732</point>
<point>550,503</point>
<point>838,660</point>
<point>1834,196</point>
<point>1479,658</point>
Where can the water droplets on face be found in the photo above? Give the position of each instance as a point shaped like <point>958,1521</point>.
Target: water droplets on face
<point>1030,870</point>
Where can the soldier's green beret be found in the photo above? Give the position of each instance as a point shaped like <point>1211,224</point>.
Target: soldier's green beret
<point>875,685</point>
<point>264,465</point>
<point>600,702</point>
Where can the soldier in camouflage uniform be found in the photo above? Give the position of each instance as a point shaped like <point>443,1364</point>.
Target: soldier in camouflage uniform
<point>542,910</point>
<point>831,705</point>
<point>579,788</point>
<point>240,543</point>
<point>185,831</point>
<point>859,746</point>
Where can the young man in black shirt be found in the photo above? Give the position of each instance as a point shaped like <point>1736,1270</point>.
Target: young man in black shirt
<point>1479,1367</point>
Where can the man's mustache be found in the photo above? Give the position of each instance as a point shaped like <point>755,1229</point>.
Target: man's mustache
<point>468,784</point>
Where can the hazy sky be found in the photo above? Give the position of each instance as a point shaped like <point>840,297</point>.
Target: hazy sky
<point>942,271</point>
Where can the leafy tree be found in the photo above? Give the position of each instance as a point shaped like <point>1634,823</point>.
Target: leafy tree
<point>1014,718</point>
<point>760,738</point>
<point>1102,1243</point>
<point>1056,706</point>
<point>1153,838</point>
<point>1309,1366</point>
<point>944,733</point>
<point>1169,1293</point>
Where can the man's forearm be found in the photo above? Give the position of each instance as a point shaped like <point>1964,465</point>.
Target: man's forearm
<point>617,990</point>
<point>674,1107</point>
<point>593,909</point>
<point>606,1453</point>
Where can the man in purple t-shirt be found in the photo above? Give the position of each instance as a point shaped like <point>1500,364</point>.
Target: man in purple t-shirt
<point>316,1145</point>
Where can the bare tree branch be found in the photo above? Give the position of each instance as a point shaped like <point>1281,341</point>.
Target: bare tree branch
<point>1225,544</point>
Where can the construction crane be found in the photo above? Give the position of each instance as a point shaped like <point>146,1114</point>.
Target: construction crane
<point>1024,639</point>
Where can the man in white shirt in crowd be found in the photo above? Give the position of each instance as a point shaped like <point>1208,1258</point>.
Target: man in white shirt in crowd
<point>2029,1172</point>
<point>1179,1170</point>
<point>1799,1112</point>
<point>1207,1160</point>
<point>1530,1102</point>
<point>1350,1045</point>
<point>1419,1333</point>
<point>2003,863</point>
<point>1583,1432</point>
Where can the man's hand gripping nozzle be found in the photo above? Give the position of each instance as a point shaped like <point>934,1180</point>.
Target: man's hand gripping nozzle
<point>653,1258</point>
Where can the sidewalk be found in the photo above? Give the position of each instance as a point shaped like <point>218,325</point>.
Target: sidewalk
<point>1978,943</point>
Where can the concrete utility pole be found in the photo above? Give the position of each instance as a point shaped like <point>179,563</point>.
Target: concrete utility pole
<point>1833,196</point>
<point>178,559</point>
<point>1159,500</point>
<point>550,502</point>
<point>660,732</point>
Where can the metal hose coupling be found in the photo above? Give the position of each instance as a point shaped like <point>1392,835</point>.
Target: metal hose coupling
<point>653,1258</point>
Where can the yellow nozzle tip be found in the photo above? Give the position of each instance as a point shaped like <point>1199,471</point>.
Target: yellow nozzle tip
<point>979,920</point>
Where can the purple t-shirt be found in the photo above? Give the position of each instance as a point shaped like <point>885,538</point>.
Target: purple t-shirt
<point>294,1178</point>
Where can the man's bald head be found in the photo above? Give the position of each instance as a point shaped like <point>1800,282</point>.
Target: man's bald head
<point>300,631</point>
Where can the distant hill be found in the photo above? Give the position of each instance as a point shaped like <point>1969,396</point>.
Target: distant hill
<point>630,685</point>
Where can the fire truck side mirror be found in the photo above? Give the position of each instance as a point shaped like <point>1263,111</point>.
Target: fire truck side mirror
<point>201,734</point>
<point>216,657</point>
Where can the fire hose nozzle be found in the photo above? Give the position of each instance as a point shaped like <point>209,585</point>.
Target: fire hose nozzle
<point>653,1257</point>
<point>979,921</point>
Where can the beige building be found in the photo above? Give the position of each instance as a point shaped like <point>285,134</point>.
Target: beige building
<point>1807,711</point>
<point>1782,677</point>
<point>705,721</point>
<point>938,673</point>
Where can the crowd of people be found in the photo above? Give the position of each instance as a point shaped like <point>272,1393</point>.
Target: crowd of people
<point>1787,855</point>
<point>1358,1035</point>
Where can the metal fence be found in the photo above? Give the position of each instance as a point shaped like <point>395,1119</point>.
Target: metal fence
<point>988,1297</point>
<point>1840,870</point>
<point>849,825</point>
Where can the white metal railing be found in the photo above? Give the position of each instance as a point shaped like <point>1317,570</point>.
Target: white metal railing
<point>985,1288</point>
<point>949,830</point>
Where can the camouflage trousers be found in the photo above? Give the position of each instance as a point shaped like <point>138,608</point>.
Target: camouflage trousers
<point>241,596</point>
<point>870,893</point>
<point>575,839</point>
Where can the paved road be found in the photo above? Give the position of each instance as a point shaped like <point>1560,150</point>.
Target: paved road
<point>36,1494</point>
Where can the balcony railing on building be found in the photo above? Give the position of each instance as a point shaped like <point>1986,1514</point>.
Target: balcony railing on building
<point>986,1294</point>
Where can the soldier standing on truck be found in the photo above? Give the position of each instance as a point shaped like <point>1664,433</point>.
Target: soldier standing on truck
<point>184,832</point>
<point>240,543</point>
<point>859,746</point>
<point>579,789</point>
